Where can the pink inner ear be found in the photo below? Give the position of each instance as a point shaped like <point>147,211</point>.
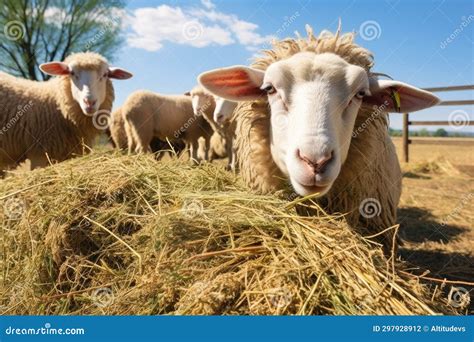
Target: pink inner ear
<point>236,83</point>
<point>55,68</point>
<point>119,74</point>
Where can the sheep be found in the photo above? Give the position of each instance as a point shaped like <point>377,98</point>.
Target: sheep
<point>223,116</point>
<point>217,147</point>
<point>118,137</point>
<point>52,119</point>
<point>315,115</point>
<point>117,130</point>
<point>220,121</point>
<point>148,115</point>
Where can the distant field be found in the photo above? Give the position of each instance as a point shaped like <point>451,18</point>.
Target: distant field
<point>456,154</point>
<point>437,209</point>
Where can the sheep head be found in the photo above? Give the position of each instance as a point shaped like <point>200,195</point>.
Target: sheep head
<point>89,73</point>
<point>224,110</point>
<point>314,99</point>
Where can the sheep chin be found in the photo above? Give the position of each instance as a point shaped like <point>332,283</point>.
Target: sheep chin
<point>303,190</point>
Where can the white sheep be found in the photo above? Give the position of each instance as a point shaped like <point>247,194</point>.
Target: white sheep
<point>223,116</point>
<point>53,119</point>
<point>118,137</point>
<point>219,119</point>
<point>148,115</point>
<point>306,99</point>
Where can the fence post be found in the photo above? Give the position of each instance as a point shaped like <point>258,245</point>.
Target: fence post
<point>405,137</point>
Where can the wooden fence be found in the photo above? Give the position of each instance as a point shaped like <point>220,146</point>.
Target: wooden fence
<point>406,123</point>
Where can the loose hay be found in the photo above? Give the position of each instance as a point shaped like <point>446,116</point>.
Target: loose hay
<point>115,234</point>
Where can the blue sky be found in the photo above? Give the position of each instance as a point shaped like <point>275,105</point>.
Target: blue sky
<point>168,43</point>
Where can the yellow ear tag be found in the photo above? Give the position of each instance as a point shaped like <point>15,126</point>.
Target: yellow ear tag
<point>396,99</point>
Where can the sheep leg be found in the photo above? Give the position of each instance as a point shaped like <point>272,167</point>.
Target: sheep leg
<point>230,153</point>
<point>140,140</point>
<point>193,152</point>
<point>130,140</point>
<point>207,145</point>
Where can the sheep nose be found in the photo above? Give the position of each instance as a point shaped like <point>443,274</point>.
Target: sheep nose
<point>219,117</point>
<point>320,165</point>
<point>89,103</point>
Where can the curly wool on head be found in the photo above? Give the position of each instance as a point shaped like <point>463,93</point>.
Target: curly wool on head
<point>371,169</point>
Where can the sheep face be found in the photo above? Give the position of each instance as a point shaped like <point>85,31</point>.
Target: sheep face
<point>314,100</point>
<point>201,102</point>
<point>88,84</point>
<point>224,109</point>
<point>88,87</point>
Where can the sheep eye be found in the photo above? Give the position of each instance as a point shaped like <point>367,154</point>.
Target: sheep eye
<point>72,73</point>
<point>269,89</point>
<point>360,94</point>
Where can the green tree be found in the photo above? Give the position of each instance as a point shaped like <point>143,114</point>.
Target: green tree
<point>440,132</point>
<point>37,31</point>
<point>423,133</point>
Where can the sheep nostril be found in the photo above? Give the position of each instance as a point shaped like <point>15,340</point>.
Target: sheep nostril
<point>322,163</point>
<point>318,166</point>
<point>89,103</point>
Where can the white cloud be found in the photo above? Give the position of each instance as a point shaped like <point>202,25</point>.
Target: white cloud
<point>151,27</point>
<point>208,4</point>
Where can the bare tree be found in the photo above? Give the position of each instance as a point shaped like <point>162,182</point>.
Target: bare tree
<point>37,31</point>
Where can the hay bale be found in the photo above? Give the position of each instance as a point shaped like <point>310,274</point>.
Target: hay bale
<point>114,234</point>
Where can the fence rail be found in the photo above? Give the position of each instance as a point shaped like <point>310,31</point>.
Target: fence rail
<point>406,123</point>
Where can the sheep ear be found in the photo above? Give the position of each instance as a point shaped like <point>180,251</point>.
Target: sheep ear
<point>398,97</point>
<point>55,68</point>
<point>236,83</point>
<point>119,74</point>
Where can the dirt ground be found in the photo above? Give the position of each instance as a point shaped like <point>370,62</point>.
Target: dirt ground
<point>436,213</point>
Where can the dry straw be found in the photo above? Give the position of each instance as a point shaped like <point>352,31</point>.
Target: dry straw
<point>115,234</point>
